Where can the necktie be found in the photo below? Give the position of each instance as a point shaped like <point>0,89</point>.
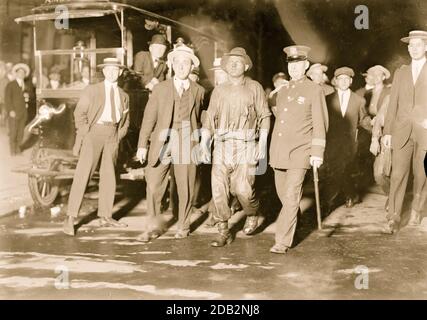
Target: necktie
<point>113,105</point>
<point>181,89</point>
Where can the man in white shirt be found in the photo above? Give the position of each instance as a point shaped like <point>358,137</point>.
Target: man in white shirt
<point>102,120</point>
<point>405,132</point>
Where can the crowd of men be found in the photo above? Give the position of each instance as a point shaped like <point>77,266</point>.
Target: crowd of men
<point>303,123</point>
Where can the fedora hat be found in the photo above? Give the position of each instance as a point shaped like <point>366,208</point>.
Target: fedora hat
<point>111,62</point>
<point>183,50</point>
<point>22,66</point>
<point>415,34</point>
<point>237,52</point>
<point>158,39</point>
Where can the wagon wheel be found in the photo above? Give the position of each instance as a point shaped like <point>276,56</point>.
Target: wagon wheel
<point>43,189</point>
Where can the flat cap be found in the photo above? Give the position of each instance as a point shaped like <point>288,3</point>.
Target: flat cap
<point>377,70</point>
<point>344,70</point>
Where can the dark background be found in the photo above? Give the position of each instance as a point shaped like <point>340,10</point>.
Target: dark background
<point>264,27</point>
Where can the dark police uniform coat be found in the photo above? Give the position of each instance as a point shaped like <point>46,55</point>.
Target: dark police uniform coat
<point>300,127</point>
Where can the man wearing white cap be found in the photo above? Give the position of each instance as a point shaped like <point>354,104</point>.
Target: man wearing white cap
<point>316,73</point>
<point>166,139</point>
<point>405,131</point>
<point>102,120</point>
<point>16,102</point>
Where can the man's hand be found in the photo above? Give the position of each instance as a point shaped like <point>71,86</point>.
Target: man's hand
<point>261,151</point>
<point>154,81</point>
<point>424,123</point>
<point>316,161</point>
<point>12,114</point>
<point>375,146</point>
<point>149,86</point>
<point>386,140</point>
<point>141,155</point>
<point>205,154</point>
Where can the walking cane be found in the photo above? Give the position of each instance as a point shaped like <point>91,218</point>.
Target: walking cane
<point>317,196</point>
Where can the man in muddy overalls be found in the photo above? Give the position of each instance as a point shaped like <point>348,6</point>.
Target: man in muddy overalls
<point>238,118</point>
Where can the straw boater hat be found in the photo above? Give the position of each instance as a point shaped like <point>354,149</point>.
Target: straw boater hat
<point>186,51</point>
<point>22,66</point>
<point>239,52</point>
<point>111,62</point>
<point>415,34</point>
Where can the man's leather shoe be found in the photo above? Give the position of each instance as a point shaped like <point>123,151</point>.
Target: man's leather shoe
<point>250,225</point>
<point>224,237</point>
<point>68,226</point>
<point>148,236</point>
<point>182,234</point>
<point>391,227</point>
<point>279,249</point>
<point>415,219</point>
<point>110,222</point>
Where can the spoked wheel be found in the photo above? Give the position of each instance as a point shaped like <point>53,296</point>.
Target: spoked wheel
<point>43,189</point>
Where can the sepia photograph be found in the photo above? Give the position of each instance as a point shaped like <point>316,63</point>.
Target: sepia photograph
<point>213,151</point>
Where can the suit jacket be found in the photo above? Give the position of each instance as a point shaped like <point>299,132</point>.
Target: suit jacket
<point>143,63</point>
<point>158,116</point>
<point>407,108</point>
<point>14,99</point>
<point>300,126</point>
<point>90,107</point>
<point>343,130</point>
<point>367,95</point>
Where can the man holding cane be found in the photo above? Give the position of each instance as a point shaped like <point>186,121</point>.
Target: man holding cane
<point>298,141</point>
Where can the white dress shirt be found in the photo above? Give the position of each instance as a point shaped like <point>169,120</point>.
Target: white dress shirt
<point>106,113</point>
<point>417,65</point>
<point>181,85</point>
<point>344,97</point>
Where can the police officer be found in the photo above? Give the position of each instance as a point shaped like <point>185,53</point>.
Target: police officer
<point>237,116</point>
<point>298,141</point>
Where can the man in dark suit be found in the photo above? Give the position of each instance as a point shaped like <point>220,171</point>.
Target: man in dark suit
<point>346,113</point>
<point>150,64</point>
<point>171,117</point>
<point>16,102</point>
<point>405,133</point>
<point>297,143</point>
<point>102,120</point>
